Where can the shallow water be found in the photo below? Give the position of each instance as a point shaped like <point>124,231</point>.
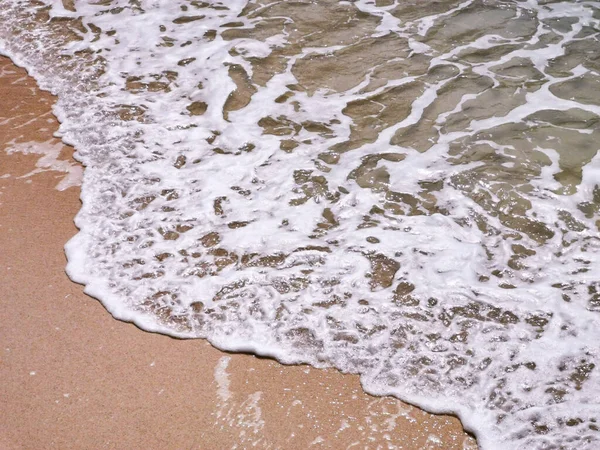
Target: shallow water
<point>407,190</point>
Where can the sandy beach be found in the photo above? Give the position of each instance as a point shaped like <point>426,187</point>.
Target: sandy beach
<point>74,377</point>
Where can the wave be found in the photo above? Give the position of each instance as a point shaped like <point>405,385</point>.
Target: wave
<point>404,190</point>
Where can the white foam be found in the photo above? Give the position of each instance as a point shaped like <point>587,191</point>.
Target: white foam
<point>222,379</point>
<point>49,161</point>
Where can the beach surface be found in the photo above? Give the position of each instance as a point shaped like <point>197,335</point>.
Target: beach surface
<point>74,377</point>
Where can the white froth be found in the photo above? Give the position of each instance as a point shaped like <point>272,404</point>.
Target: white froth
<point>49,161</point>
<point>222,379</point>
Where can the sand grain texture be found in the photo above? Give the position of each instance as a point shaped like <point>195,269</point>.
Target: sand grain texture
<point>74,377</point>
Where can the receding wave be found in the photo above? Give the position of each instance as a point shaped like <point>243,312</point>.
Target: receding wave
<point>408,190</point>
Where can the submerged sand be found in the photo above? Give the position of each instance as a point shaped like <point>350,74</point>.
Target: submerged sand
<point>74,377</point>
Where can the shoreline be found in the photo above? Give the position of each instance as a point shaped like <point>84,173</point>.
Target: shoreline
<point>75,377</point>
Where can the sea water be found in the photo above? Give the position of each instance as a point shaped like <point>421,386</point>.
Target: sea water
<point>408,190</point>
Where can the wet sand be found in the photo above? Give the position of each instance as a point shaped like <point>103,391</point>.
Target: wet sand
<point>74,377</point>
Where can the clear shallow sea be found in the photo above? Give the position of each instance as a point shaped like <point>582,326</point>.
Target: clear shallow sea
<point>409,190</point>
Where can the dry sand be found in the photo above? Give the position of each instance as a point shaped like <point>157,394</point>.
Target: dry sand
<point>74,377</point>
